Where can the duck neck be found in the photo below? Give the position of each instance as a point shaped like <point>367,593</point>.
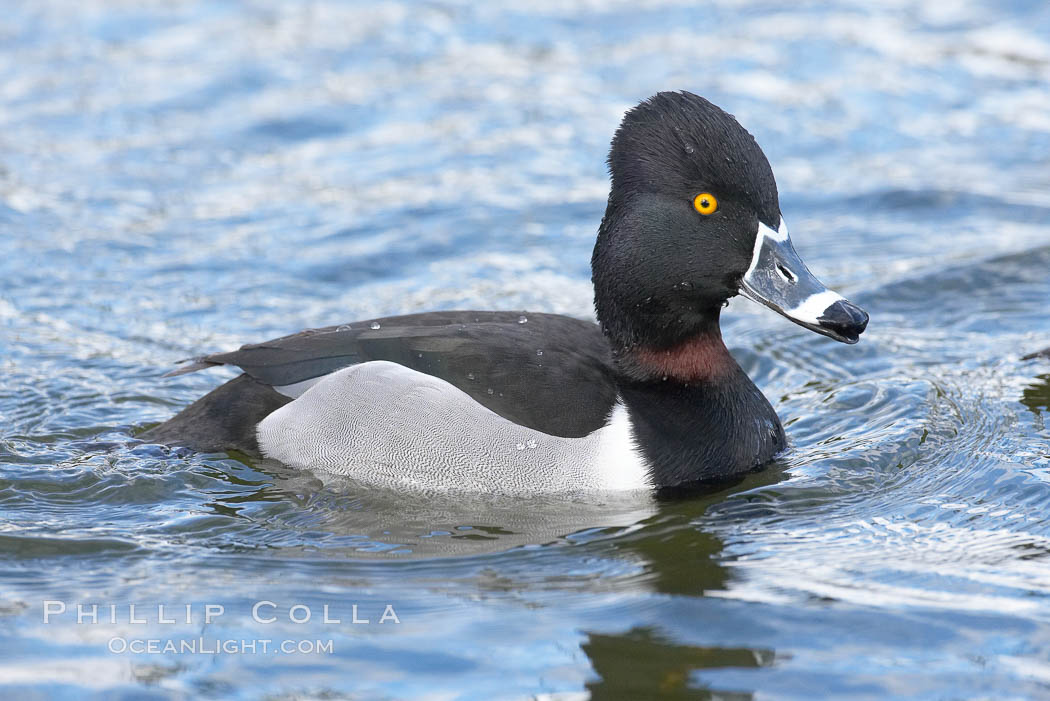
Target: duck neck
<point>700,357</point>
<point>696,415</point>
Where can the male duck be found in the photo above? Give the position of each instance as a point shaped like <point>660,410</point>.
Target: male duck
<point>540,403</point>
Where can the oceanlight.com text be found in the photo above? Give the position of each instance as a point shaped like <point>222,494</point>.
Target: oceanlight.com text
<point>218,646</point>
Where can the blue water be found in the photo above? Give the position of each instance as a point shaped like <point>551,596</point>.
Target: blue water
<point>177,178</point>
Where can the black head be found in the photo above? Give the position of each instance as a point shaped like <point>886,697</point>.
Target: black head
<point>666,260</point>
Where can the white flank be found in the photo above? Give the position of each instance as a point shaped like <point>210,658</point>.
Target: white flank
<point>389,425</point>
<point>619,459</point>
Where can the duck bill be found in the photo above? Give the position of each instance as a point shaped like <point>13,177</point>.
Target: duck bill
<point>780,280</point>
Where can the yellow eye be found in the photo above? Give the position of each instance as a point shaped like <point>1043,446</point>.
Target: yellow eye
<point>705,203</point>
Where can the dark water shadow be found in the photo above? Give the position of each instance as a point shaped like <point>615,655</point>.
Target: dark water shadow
<point>1036,396</point>
<point>681,560</point>
<point>642,664</point>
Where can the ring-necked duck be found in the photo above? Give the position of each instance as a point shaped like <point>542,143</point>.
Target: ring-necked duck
<point>540,403</point>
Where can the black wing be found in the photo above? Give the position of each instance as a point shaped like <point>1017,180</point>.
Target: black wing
<point>546,371</point>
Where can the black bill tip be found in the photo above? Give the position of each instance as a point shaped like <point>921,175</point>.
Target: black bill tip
<point>843,321</point>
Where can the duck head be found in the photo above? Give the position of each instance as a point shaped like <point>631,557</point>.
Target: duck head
<point>693,219</point>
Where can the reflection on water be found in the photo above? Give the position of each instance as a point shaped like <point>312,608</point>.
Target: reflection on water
<point>182,178</point>
<point>1036,396</point>
<point>638,663</point>
<point>383,521</point>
